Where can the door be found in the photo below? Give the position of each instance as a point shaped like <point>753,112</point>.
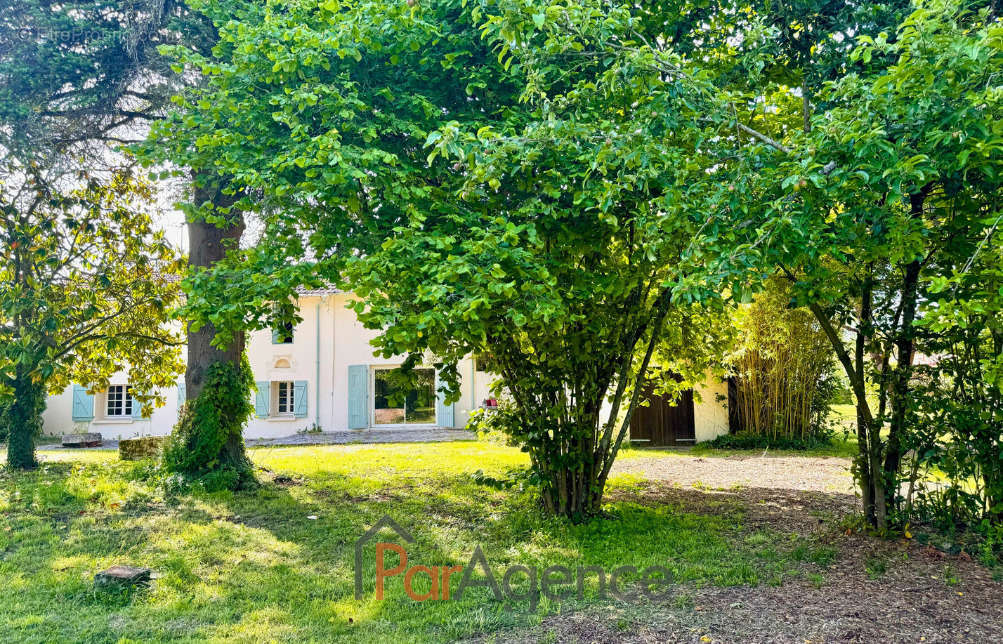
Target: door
<point>664,422</point>
<point>400,400</point>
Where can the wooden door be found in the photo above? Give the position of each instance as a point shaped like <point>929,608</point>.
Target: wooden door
<point>663,422</point>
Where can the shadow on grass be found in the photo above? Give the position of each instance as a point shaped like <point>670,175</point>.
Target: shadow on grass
<point>280,559</point>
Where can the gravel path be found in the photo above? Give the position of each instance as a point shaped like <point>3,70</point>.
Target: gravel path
<point>434,435</point>
<point>815,474</point>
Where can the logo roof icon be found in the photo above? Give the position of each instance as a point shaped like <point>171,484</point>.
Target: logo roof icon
<point>385,522</point>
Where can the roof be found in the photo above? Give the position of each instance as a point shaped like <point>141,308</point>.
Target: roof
<point>302,291</point>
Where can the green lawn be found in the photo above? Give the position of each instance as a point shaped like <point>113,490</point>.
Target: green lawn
<point>236,566</point>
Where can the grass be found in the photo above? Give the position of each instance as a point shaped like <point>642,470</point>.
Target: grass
<point>279,559</point>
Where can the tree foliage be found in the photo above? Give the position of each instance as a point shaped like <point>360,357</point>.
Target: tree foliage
<point>565,184</point>
<point>86,287</point>
<point>77,73</point>
<point>397,147</point>
<point>207,442</point>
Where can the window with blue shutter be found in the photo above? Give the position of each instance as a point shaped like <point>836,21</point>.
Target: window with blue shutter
<point>261,399</point>
<point>358,396</point>
<point>182,393</point>
<point>83,405</point>
<point>137,407</point>
<point>299,399</point>
<point>445,415</point>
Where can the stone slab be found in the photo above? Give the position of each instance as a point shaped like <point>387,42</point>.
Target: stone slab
<point>120,575</point>
<point>92,439</point>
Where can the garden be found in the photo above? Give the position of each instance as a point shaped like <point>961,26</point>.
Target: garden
<point>607,203</point>
<point>747,562</point>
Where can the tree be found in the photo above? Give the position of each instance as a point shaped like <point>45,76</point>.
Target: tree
<point>86,288</point>
<point>858,199</point>
<point>893,186</point>
<point>393,148</point>
<point>78,77</point>
<point>957,409</point>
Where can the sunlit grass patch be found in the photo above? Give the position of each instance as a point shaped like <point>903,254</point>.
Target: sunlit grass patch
<point>278,562</point>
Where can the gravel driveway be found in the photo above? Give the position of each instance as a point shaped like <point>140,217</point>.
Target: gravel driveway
<point>808,473</point>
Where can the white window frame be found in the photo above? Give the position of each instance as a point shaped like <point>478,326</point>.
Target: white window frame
<point>372,397</point>
<point>289,396</point>
<point>122,396</point>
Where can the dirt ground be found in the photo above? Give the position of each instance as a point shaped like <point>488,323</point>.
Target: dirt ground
<point>873,591</point>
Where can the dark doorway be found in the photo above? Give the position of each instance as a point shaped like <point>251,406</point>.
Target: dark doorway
<point>662,423</point>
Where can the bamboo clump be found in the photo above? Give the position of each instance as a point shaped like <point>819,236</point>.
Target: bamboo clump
<point>781,358</point>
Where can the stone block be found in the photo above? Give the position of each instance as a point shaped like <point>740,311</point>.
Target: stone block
<point>92,439</point>
<point>120,576</point>
<point>133,449</point>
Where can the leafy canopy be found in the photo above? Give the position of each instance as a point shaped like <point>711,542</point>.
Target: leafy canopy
<point>86,284</point>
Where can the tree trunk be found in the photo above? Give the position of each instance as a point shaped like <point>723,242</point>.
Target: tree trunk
<point>868,461</point>
<point>905,348</point>
<point>573,494</point>
<point>24,421</point>
<point>207,245</point>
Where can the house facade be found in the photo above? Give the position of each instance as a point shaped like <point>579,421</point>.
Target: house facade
<point>320,374</point>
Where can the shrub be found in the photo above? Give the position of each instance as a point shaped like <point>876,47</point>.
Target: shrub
<point>785,372</point>
<point>207,442</point>
<point>134,449</point>
<point>752,440</point>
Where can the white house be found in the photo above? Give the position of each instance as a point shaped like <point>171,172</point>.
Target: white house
<point>323,375</point>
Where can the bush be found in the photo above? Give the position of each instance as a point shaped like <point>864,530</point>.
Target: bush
<point>785,372</point>
<point>750,440</point>
<point>207,442</point>
<point>134,449</point>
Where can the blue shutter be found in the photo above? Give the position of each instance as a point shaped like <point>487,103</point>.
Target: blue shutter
<point>275,337</point>
<point>182,393</point>
<point>137,409</point>
<point>444,416</point>
<point>262,398</point>
<point>358,396</point>
<point>299,399</point>
<point>83,404</point>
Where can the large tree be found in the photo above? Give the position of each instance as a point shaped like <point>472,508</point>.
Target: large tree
<point>79,78</point>
<point>408,152</point>
<point>893,187</point>
<point>859,177</point>
<point>86,288</point>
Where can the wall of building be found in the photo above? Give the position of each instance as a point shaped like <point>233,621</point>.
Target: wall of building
<point>710,408</point>
<point>325,343</point>
<point>328,341</point>
<point>58,416</point>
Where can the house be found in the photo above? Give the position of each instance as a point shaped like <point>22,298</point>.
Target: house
<point>321,374</point>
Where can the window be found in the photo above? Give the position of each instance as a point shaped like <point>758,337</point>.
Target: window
<point>402,400</point>
<point>285,402</point>
<point>283,334</point>
<point>119,404</point>
<point>485,362</point>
